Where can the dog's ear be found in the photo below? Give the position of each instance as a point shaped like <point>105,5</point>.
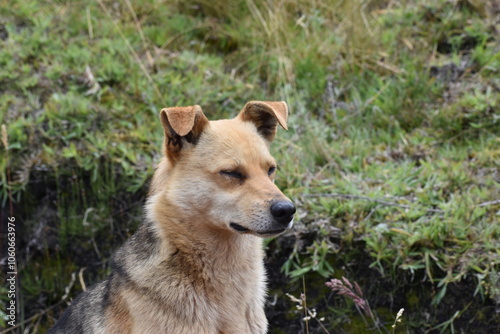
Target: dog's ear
<point>182,125</point>
<point>266,116</point>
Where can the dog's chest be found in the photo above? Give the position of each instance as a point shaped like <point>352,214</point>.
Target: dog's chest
<point>192,292</point>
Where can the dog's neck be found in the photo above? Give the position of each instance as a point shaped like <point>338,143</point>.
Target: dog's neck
<point>207,239</point>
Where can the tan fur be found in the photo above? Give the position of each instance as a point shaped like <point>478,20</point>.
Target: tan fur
<point>118,315</point>
<point>189,269</point>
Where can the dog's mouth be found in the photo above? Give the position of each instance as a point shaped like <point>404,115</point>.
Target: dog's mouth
<point>270,233</point>
<point>239,228</point>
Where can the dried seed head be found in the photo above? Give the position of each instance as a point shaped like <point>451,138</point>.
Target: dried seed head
<point>294,299</point>
<point>358,289</point>
<point>398,317</point>
<point>346,281</point>
<point>400,314</point>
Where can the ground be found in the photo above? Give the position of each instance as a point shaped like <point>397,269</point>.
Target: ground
<point>392,155</point>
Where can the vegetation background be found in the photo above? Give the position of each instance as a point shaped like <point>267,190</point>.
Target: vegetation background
<point>392,156</point>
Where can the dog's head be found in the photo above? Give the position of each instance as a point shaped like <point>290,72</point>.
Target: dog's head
<point>220,173</point>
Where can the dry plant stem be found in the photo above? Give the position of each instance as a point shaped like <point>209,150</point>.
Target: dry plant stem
<point>494,202</point>
<point>304,301</point>
<point>10,329</point>
<point>313,315</point>
<point>134,54</point>
<point>9,180</point>
<point>372,316</point>
<point>322,327</point>
<point>345,288</point>
<point>398,319</point>
<point>5,142</point>
<point>367,324</point>
<point>310,314</point>
<point>89,24</point>
<point>141,32</point>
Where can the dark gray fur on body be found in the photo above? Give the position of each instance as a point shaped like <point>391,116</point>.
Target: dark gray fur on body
<point>86,314</point>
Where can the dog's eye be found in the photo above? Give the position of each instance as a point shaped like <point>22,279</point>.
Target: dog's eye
<point>233,174</point>
<point>271,170</point>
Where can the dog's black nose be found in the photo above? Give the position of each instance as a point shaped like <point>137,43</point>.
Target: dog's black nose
<point>283,211</point>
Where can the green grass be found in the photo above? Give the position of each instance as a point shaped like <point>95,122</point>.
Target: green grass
<point>392,155</point>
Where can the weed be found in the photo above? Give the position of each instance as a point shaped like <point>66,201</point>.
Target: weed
<point>392,154</point>
<point>398,319</point>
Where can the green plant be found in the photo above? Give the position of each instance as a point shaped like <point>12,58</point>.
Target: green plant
<point>391,156</point>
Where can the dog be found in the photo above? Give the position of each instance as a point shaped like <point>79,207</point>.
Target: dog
<point>195,264</point>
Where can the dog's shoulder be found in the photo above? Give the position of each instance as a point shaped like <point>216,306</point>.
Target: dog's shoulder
<point>135,254</point>
<point>90,308</point>
<point>85,312</point>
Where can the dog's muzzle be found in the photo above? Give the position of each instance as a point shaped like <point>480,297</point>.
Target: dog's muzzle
<point>282,212</point>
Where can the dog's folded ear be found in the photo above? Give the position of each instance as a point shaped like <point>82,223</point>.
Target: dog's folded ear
<point>266,116</point>
<point>181,125</point>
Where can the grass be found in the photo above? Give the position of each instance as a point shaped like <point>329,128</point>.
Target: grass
<point>392,154</point>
